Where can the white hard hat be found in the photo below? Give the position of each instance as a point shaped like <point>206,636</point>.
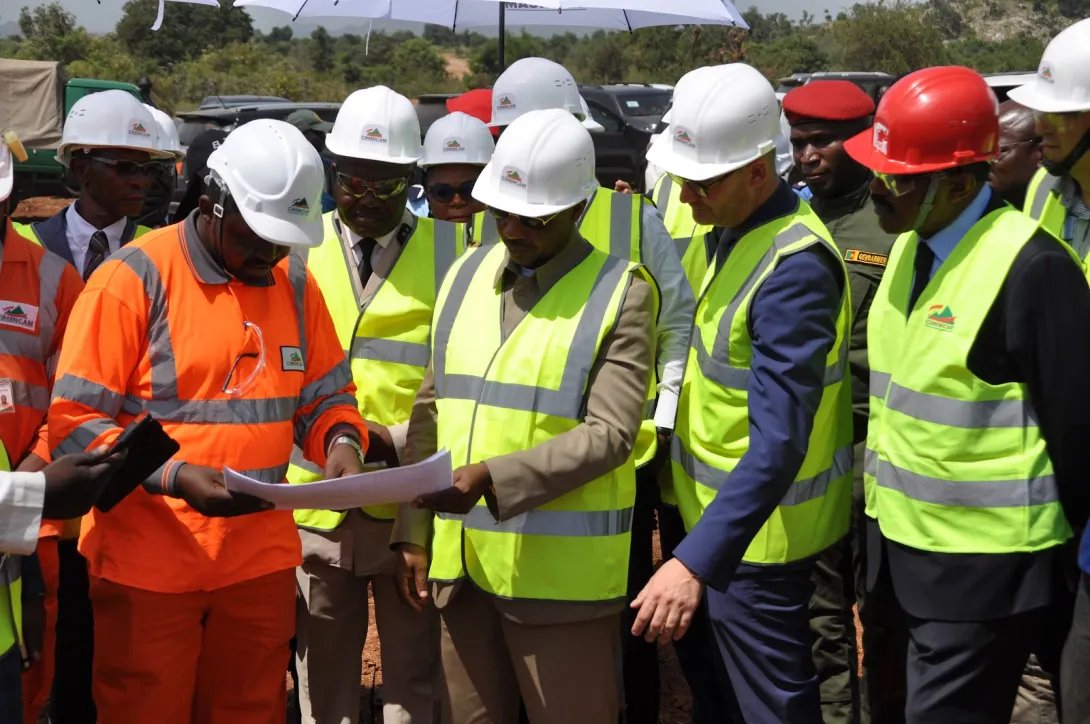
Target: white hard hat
<point>588,122</point>
<point>1062,84</point>
<point>108,119</point>
<point>723,117</point>
<point>785,155</point>
<point>458,138</point>
<point>7,172</point>
<point>543,164</point>
<point>376,124</point>
<point>276,179</point>
<point>168,133</point>
<point>534,84</point>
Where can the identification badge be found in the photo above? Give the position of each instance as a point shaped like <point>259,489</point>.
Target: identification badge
<point>7,397</point>
<point>865,257</point>
<point>291,360</point>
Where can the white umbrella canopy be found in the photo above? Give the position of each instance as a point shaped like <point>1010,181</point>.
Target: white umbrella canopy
<point>606,14</point>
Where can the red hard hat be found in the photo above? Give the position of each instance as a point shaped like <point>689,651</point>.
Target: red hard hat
<point>930,120</point>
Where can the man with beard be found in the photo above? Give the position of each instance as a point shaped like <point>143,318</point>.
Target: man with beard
<point>823,115</point>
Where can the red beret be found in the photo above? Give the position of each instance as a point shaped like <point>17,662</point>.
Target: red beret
<point>827,100</point>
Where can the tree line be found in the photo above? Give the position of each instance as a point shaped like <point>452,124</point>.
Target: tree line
<point>205,51</point>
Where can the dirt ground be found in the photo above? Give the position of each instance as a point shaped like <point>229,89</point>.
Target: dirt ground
<point>39,208</point>
<point>456,67</point>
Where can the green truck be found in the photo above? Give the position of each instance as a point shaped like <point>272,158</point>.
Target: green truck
<point>35,98</point>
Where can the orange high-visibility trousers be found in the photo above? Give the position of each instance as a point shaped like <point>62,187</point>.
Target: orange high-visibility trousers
<point>39,679</point>
<point>207,657</point>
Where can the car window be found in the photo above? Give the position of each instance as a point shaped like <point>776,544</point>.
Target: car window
<point>190,129</point>
<point>609,120</point>
<point>644,103</point>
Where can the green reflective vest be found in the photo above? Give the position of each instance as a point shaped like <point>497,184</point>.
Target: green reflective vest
<point>27,231</point>
<point>686,233</point>
<point>385,337</point>
<point>496,395</point>
<point>954,464</point>
<point>1044,206</point>
<point>11,587</point>
<point>612,223</point>
<point>712,432</point>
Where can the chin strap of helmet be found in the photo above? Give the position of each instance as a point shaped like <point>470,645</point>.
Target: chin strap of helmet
<point>1063,168</point>
<point>928,201</point>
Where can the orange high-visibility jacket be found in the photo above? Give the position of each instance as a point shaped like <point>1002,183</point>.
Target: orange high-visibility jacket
<point>159,328</point>
<point>37,292</point>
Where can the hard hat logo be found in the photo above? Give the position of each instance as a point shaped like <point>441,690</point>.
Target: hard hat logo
<point>375,134</point>
<point>682,135</point>
<point>506,102</point>
<point>1045,72</point>
<point>881,139</point>
<point>453,145</point>
<point>299,207</point>
<point>513,176</point>
<point>138,129</point>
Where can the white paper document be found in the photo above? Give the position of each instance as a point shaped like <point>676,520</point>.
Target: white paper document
<point>381,487</point>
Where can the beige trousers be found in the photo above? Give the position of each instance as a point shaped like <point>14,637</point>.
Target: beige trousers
<point>331,628</point>
<point>1036,700</point>
<point>567,673</point>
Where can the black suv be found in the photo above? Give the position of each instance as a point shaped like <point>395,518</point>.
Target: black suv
<point>639,104</point>
<point>192,123</point>
<point>629,113</point>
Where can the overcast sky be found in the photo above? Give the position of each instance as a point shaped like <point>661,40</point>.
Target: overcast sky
<point>101,18</point>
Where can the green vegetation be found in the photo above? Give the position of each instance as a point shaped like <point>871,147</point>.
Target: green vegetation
<point>204,50</point>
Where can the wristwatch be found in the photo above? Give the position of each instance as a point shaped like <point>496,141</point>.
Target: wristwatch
<point>346,440</point>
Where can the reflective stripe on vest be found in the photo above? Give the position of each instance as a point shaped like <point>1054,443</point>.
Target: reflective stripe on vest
<point>686,233</point>
<point>386,336</point>
<point>498,394</point>
<point>34,348</point>
<point>954,464</point>
<point>11,588</point>
<point>712,433</point>
<point>165,403</point>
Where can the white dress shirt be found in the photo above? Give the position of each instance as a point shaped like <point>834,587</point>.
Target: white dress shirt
<point>21,498</point>
<point>80,232</point>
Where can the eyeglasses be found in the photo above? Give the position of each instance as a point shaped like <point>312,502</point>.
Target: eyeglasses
<point>151,169</point>
<point>1055,119</point>
<point>1004,150</point>
<point>898,184</point>
<point>383,190</point>
<point>530,222</point>
<point>445,193</point>
<point>253,335</point>
<point>701,188</point>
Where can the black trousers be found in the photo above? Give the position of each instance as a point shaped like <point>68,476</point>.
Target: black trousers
<point>71,701</point>
<point>1074,686</point>
<point>967,672</point>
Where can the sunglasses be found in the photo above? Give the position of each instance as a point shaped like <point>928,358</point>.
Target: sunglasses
<point>701,188</point>
<point>445,193</point>
<point>899,184</point>
<point>530,222</point>
<point>150,169</point>
<point>383,190</point>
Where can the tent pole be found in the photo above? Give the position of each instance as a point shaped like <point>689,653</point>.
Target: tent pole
<point>503,32</point>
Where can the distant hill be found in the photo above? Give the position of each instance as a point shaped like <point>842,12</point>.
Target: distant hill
<point>995,20</point>
<point>9,29</point>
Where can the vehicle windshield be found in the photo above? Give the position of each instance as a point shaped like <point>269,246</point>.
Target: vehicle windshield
<point>645,103</point>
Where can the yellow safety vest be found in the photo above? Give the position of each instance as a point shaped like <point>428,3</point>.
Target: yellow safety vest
<point>612,223</point>
<point>712,433</point>
<point>1043,205</point>
<point>27,231</point>
<point>385,337</point>
<point>11,587</point>
<point>496,395</point>
<point>954,464</point>
<point>686,233</point>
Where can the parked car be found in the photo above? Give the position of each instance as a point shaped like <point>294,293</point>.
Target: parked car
<point>1003,83</point>
<point>641,105</point>
<point>192,123</point>
<point>870,81</point>
<point>619,148</point>
<point>210,102</point>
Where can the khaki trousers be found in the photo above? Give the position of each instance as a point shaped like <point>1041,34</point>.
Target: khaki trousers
<point>566,673</point>
<point>331,628</point>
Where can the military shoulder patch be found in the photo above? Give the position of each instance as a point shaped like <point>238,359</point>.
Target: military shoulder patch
<point>865,257</point>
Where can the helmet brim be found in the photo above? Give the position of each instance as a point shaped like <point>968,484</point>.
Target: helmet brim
<point>661,154</point>
<point>302,235</point>
<point>337,149</point>
<point>1032,95</point>
<point>861,148</point>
